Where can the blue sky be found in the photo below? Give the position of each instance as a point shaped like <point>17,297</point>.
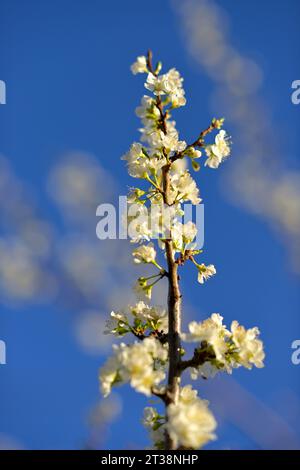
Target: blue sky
<point>66,67</point>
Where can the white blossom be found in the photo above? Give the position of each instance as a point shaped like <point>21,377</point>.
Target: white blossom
<point>190,423</point>
<point>205,272</point>
<point>117,319</point>
<point>154,317</point>
<point>171,142</point>
<point>156,314</point>
<point>141,165</point>
<point>158,140</point>
<point>147,109</point>
<point>174,88</point>
<point>249,349</point>
<point>169,84</point>
<point>206,370</point>
<point>108,375</point>
<point>140,65</point>
<point>163,218</point>
<point>183,235</point>
<point>213,332</point>
<point>150,415</point>
<point>144,254</point>
<point>158,85</point>
<point>136,161</point>
<point>218,151</point>
<point>188,395</point>
<point>189,232</point>
<point>185,188</point>
<point>139,229</point>
<point>137,363</point>
<point>155,348</point>
<point>232,349</point>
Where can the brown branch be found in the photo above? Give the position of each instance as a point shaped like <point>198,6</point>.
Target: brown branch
<point>174,314</point>
<point>149,62</point>
<point>199,358</point>
<point>183,257</point>
<point>161,336</point>
<point>162,395</point>
<point>199,142</point>
<point>174,295</point>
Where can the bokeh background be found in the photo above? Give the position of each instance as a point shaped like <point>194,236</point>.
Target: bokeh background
<point>69,117</point>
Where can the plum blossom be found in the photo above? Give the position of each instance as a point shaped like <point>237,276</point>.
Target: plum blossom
<point>205,272</point>
<point>157,315</point>
<point>183,235</point>
<point>212,331</point>
<point>249,348</point>
<point>185,188</point>
<point>140,65</point>
<point>141,364</point>
<point>144,254</point>
<point>117,321</point>
<point>217,152</point>
<point>190,422</point>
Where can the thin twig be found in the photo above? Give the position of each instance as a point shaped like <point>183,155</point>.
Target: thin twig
<point>199,358</point>
<point>199,142</point>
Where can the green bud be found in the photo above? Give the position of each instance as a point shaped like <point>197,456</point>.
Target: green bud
<point>217,123</point>
<point>148,291</point>
<point>195,165</point>
<point>142,281</point>
<point>158,67</point>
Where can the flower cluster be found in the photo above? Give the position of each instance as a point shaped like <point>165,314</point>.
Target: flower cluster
<point>220,349</point>
<point>169,84</point>
<point>144,254</point>
<point>218,151</point>
<point>161,146</point>
<point>165,164</point>
<point>139,319</point>
<point>189,422</point>
<point>184,188</point>
<point>142,364</point>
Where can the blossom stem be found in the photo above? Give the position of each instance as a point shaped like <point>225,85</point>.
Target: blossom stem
<point>194,261</point>
<point>155,263</point>
<point>198,359</point>
<point>159,276</point>
<point>152,277</point>
<point>199,142</point>
<point>153,183</point>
